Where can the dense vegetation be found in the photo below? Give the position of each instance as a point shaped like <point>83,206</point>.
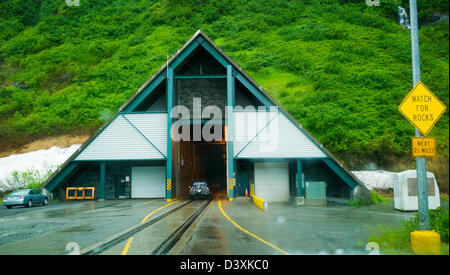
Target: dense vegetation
<point>340,67</point>
<point>375,198</point>
<point>397,240</point>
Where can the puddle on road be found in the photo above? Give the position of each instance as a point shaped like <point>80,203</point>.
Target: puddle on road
<point>210,232</point>
<point>71,210</point>
<point>79,228</point>
<point>61,213</point>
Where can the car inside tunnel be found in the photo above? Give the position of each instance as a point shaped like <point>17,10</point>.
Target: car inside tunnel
<point>199,160</point>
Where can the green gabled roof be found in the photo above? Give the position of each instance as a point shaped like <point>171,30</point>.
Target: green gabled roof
<point>201,39</point>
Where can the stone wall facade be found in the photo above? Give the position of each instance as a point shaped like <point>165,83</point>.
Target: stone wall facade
<point>210,91</point>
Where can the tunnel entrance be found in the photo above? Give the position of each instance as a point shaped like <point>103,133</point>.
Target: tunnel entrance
<point>200,161</point>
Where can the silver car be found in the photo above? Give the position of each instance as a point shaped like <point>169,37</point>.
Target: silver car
<point>26,197</point>
<point>199,189</point>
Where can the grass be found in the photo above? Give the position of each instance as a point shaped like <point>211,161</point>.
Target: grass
<point>396,240</point>
<point>391,240</point>
<point>375,199</point>
<point>55,201</point>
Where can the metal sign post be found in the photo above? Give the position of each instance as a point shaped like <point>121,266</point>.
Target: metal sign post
<point>422,194</point>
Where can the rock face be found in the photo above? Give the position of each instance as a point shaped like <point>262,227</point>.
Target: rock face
<point>211,93</point>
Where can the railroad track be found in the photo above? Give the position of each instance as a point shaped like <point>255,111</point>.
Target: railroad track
<point>172,240</point>
<point>166,245</point>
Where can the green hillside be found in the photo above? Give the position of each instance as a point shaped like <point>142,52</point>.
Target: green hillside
<point>340,67</point>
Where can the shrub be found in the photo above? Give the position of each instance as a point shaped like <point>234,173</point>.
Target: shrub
<point>438,223</point>
<point>374,199</point>
<point>397,240</point>
<point>353,62</point>
<point>30,179</point>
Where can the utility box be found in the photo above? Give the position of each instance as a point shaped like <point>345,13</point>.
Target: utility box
<point>405,191</point>
<point>316,193</point>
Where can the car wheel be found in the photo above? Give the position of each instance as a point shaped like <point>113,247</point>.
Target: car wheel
<point>45,201</point>
<point>29,203</point>
<point>9,206</point>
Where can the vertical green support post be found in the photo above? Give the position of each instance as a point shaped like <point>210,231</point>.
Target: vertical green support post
<point>102,180</point>
<point>299,178</point>
<point>230,134</point>
<point>169,136</point>
<point>422,193</point>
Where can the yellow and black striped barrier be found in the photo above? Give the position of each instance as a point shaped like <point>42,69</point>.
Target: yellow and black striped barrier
<point>230,189</point>
<point>169,184</point>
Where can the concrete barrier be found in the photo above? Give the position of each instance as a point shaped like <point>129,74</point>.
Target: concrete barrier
<point>260,203</point>
<point>425,242</point>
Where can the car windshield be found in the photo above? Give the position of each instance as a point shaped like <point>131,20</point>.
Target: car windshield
<point>20,192</point>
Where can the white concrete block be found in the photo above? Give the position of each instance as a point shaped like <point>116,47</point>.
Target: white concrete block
<point>405,191</point>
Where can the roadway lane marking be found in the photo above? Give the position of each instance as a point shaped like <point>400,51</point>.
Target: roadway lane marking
<point>151,201</point>
<point>127,246</point>
<point>154,211</point>
<point>249,233</point>
<point>130,240</point>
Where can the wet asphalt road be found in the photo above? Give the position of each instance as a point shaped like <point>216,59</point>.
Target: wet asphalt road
<point>48,230</point>
<point>306,230</point>
<point>335,229</point>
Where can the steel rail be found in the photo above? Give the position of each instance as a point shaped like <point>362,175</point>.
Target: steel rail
<point>112,243</point>
<point>173,239</point>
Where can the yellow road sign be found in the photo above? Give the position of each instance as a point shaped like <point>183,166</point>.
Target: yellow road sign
<point>422,108</point>
<point>423,147</point>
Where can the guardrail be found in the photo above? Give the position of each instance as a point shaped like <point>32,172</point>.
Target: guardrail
<point>260,203</point>
<point>83,193</point>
